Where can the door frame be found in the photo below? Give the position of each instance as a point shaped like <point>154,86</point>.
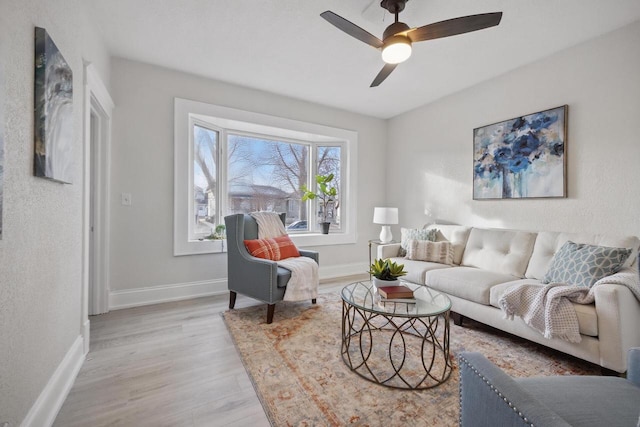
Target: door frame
<point>95,252</point>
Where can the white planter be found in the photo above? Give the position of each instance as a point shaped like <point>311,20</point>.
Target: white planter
<point>377,282</point>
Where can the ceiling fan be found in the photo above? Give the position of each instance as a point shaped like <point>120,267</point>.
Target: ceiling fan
<point>397,38</point>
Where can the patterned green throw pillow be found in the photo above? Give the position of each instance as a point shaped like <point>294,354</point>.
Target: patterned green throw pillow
<point>583,265</point>
<point>415,234</point>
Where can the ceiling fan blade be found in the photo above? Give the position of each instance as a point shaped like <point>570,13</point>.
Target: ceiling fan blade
<point>352,29</point>
<point>383,74</point>
<point>452,27</point>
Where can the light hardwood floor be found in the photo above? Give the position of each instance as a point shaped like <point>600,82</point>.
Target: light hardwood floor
<point>171,364</point>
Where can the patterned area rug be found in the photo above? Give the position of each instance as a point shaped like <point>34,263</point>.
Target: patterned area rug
<point>301,379</point>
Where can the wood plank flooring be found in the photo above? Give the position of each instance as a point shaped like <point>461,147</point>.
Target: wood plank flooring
<point>171,364</point>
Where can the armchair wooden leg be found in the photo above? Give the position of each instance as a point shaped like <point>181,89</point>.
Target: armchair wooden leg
<point>313,301</point>
<point>270,310</point>
<point>232,299</point>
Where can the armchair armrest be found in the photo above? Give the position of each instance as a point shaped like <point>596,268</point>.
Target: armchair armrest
<point>489,397</point>
<point>388,251</point>
<point>633,366</point>
<point>310,254</point>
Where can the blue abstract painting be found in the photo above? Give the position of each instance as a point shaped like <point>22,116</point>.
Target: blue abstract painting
<point>522,157</point>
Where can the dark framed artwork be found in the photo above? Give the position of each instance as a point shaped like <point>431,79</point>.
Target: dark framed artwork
<point>53,105</point>
<point>520,158</point>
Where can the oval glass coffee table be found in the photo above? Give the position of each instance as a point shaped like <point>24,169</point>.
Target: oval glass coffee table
<point>396,343</point>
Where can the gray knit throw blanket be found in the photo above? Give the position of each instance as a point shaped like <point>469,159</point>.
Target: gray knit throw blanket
<point>548,308</point>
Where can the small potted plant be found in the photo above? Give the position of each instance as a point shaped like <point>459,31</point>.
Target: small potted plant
<point>326,196</point>
<point>220,233</point>
<point>386,272</point>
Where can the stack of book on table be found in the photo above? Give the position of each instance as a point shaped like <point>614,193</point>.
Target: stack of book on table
<point>399,293</point>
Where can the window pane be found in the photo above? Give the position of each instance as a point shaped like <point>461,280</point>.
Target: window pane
<point>329,163</point>
<point>205,169</point>
<point>266,175</point>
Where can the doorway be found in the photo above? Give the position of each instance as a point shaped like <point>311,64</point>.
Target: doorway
<point>98,107</point>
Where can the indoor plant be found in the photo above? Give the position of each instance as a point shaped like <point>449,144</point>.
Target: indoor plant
<point>327,194</point>
<point>220,233</point>
<point>386,271</point>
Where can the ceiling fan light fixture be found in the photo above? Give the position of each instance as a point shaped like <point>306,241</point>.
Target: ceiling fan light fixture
<point>396,49</point>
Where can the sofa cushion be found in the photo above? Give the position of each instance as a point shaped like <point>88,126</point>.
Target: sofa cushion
<point>456,234</point>
<point>469,283</point>
<point>501,251</point>
<point>422,250</point>
<point>587,315</point>
<point>549,242</point>
<point>416,269</point>
<point>583,265</point>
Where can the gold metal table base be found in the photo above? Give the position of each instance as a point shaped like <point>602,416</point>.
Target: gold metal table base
<point>400,365</point>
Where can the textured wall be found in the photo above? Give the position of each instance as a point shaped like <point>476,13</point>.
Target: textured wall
<point>598,80</point>
<point>142,164</point>
<point>40,253</point>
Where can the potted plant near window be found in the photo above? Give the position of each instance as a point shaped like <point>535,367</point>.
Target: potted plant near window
<point>326,196</point>
<point>386,272</point>
<point>219,234</point>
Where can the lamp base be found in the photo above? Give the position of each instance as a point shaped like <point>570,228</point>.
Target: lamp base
<point>385,234</point>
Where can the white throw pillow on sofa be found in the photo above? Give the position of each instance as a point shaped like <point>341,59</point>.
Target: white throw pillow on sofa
<point>424,250</point>
<point>415,234</point>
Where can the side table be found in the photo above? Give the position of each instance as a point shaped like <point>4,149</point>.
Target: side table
<point>376,242</point>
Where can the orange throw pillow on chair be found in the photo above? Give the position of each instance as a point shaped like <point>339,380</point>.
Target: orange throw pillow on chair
<point>274,249</point>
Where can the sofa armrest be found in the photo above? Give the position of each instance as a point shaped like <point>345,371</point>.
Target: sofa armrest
<point>489,397</point>
<point>633,365</point>
<point>618,313</point>
<point>390,250</point>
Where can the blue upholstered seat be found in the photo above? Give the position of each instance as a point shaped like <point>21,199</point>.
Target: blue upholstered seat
<point>489,397</point>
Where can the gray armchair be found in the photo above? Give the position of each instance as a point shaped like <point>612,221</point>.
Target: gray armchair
<point>254,277</point>
<point>490,397</point>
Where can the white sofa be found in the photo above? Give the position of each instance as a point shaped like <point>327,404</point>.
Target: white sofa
<point>488,261</point>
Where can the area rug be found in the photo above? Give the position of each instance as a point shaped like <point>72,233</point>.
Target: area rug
<point>299,375</point>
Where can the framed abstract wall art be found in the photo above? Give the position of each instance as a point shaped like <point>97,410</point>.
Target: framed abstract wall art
<point>524,157</point>
<point>53,105</point>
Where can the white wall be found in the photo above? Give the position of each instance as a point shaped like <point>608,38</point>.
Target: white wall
<point>430,148</point>
<point>40,253</point>
<point>141,253</point>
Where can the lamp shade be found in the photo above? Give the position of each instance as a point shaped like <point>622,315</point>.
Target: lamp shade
<point>385,216</point>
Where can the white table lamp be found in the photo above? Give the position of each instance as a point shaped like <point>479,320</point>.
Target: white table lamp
<point>386,217</point>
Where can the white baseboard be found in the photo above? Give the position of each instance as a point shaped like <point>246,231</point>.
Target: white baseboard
<point>181,291</point>
<point>44,411</point>
<point>165,293</point>
<point>86,335</point>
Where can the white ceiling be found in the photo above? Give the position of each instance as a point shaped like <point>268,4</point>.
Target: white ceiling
<point>285,47</point>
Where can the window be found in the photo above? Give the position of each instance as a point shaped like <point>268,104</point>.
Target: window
<point>241,162</point>
<point>204,182</point>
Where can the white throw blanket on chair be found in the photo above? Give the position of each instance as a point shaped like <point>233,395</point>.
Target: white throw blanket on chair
<point>548,308</point>
<point>304,281</point>
<point>269,225</point>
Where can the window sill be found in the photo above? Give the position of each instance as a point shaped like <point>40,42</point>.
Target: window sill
<point>200,247</point>
<point>318,239</point>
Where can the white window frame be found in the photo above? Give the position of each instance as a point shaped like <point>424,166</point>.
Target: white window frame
<point>192,235</point>
<point>223,119</point>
